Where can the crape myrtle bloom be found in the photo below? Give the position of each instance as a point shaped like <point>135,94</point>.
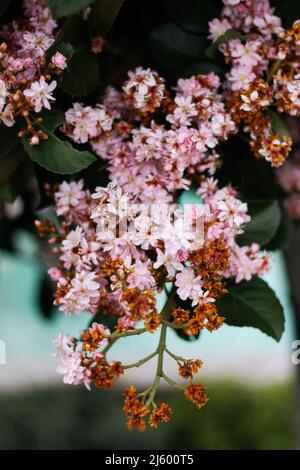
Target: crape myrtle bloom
<point>27,75</point>
<point>144,90</point>
<point>147,159</point>
<point>114,257</point>
<point>264,57</point>
<point>121,278</point>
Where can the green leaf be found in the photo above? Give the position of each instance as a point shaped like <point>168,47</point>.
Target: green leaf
<point>264,223</point>
<point>203,68</point>
<point>278,124</point>
<point>103,15</point>
<point>82,76</point>
<point>287,10</point>
<point>62,8</point>
<point>253,304</point>
<point>55,154</point>
<point>8,192</point>
<point>108,320</point>
<point>11,155</point>
<point>193,15</point>
<point>284,233</point>
<point>73,32</point>
<point>213,50</point>
<point>9,139</point>
<point>174,48</point>
<point>3,6</point>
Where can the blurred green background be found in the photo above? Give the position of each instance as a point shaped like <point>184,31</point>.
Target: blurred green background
<point>236,417</point>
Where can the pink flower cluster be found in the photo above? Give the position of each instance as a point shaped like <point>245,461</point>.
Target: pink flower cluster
<point>23,62</point>
<point>84,122</point>
<point>195,122</point>
<point>74,355</point>
<point>83,250</point>
<point>263,52</point>
<point>148,162</point>
<point>250,55</point>
<point>144,89</point>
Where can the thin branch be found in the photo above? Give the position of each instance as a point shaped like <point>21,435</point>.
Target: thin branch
<point>176,358</point>
<point>172,383</point>
<point>141,361</point>
<point>124,334</point>
<point>174,326</point>
<point>160,350</point>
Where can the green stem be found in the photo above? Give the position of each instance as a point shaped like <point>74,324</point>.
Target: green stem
<point>164,315</point>
<point>115,336</point>
<point>176,358</point>
<point>158,375</point>
<point>274,69</point>
<point>141,361</point>
<point>172,383</point>
<point>166,311</point>
<point>174,326</point>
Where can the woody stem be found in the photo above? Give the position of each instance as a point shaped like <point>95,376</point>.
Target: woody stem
<point>141,361</point>
<point>160,350</point>
<point>115,336</point>
<point>176,358</point>
<point>172,383</point>
<point>164,315</point>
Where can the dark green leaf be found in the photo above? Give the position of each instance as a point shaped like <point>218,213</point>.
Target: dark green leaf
<point>8,138</point>
<point>55,154</point>
<point>284,233</point>
<point>103,15</point>
<point>203,68</point>
<point>264,223</point>
<point>253,304</point>
<point>288,10</point>
<point>278,124</point>
<point>82,76</point>
<point>62,8</point>
<point>174,48</point>
<point>73,32</point>
<point>193,15</point>
<point>108,320</point>
<point>45,297</point>
<point>3,6</point>
<point>8,192</point>
<point>213,50</point>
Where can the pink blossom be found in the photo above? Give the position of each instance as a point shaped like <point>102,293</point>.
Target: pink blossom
<point>189,286</point>
<point>169,259</point>
<point>141,277</point>
<point>59,60</point>
<point>40,93</point>
<point>217,28</point>
<point>55,274</point>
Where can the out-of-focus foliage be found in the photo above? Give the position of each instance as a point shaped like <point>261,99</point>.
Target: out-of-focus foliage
<point>241,418</point>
